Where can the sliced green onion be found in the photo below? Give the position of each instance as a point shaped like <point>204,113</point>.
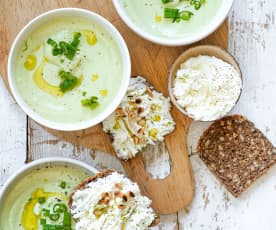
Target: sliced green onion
<point>46,212</point>
<point>54,216</point>
<point>171,13</point>
<point>69,81</point>
<point>59,208</point>
<point>63,185</point>
<point>41,200</point>
<point>69,49</point>
<point>51,42</point>
<point>91,102</point>
<point>26,46</point>
<point>42,221</point>
<point>53,227</point>
<point>186,15</point>
<point>67,219</point>
<point>197,5</point>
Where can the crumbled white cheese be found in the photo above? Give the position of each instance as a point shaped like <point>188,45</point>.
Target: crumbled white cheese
<point>135,130</point>
<point>206,87</point>
<point>91,214</point>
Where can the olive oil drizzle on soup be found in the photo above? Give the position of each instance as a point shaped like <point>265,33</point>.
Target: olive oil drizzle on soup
<point>68,70</point>
<point>40,198</point>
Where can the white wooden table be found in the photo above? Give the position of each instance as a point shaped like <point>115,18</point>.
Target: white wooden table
<point>253,43</point>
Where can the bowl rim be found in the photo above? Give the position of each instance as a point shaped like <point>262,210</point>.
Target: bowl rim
<point>227,5</point>
<point>126,69</point>
<point>41,162</point>
<point>178,61</point>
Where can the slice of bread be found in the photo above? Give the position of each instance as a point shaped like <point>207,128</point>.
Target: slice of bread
<point>94,178</point>
<point>143,118</point>
<point>236,152</point>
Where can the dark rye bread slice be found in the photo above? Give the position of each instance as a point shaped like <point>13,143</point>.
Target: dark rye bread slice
<point>94,178</point>
<point>236,152</point>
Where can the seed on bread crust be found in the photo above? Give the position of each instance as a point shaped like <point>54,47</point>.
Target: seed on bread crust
<point>119,186</point>
<point>124,198</point>
<point>131,194</point>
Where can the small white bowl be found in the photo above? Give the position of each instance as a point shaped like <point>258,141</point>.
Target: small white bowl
<point>185,40</point>
<point>37,165</point>
<point>50,16</point>
<point>208,50</point>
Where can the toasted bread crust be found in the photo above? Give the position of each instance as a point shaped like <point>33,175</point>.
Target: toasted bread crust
<point>82,185</point>
<point>103,174</point>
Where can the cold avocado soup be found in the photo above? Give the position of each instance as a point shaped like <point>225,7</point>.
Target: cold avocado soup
<point>149,16</point>
<point>39,200</point>
<point>68,70</point>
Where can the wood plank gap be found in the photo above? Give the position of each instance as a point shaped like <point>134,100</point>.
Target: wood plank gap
<point>28,141</point>
<point>177,221</point>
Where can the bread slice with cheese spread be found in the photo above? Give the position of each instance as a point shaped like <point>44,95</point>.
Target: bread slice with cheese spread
<point>111,201</point>
<point>143,118</point>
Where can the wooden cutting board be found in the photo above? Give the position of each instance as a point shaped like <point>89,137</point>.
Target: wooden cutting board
<point>152,61</point>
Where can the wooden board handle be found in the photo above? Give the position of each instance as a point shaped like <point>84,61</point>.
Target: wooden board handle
<point>176,191</point>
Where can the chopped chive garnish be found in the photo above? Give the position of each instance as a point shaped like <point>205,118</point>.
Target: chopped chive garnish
<point>51,42</point>
<point>69,49</point>
<point>62,184</point>
<point>41,200</point>
<point>45,212</point>
<point>166,1</point>
<point>59,208</point>
<point>171,13</point>
<point>176,15</point>
<point>186,15</point>
<point>91,102</point>
<point>58,211</point>
<point>25,46</point>
<point>67,219</point>
<point>42,221</point>
<point>68,81</point>
<point>54,227</point>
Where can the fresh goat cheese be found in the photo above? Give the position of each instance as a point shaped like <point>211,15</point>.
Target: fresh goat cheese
<point>206,87</point>
<point>142,118</point>
<point>112,202</point>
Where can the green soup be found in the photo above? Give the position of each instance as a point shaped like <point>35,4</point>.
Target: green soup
<point>51,185</point>
<point>149,16</point>
<point>97,65</point>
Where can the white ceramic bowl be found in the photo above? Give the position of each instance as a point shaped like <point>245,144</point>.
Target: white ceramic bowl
<point>208,50</point>
<point>38,164</point>
<point>50,16</point>
<point>185,40</point>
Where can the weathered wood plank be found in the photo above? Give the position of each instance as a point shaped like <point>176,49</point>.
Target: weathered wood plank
<point>12,135</point>
<point>252,42</point>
